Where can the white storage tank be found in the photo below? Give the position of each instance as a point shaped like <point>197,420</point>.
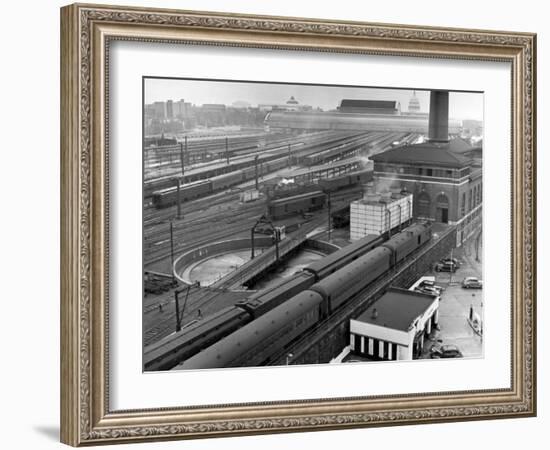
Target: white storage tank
<point>378,213</point>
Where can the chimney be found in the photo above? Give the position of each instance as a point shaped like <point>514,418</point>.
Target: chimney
<point>438,130</point>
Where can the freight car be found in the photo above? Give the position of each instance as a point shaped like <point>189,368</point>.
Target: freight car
<point>345,181</point>
<point>297,204</point>
<point>255,343</point>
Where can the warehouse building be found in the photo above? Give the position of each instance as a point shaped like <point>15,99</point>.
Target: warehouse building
<point>395,326</point>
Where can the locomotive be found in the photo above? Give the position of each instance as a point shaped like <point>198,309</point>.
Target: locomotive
<point>169,351</point>
<point>256,342</point>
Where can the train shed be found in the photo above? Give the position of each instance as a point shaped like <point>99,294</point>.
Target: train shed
<point>393,328</point>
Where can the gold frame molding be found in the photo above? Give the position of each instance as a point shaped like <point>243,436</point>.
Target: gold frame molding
<point>86,31</point>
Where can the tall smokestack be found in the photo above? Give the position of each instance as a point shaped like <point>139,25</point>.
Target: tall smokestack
<point>439,117</point>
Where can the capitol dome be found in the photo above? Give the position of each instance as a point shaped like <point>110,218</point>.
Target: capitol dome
<point>414,104</point>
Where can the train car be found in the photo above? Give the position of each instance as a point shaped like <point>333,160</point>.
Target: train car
<point>344,181</point>
<point>249,173</point>
<point>335,183</point>
<point>169,196</point>
<point>267,299</point>
<point>407,241</point>
<point>170,351</point>
<point>252,344</point>
<point>337,288</point>
<point>335,261</point>
<point>296,204</point>
<point>227,180</point>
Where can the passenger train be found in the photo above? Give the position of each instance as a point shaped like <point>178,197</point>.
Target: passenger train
<point>255,343</point>
<point>171,350</point>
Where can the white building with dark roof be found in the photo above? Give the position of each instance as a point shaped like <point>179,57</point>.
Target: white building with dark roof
<point>395,326</point>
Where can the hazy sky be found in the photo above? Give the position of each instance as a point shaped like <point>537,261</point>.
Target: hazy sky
<point>462,105</point>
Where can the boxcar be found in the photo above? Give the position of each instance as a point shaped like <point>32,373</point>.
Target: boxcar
<point>296,204</point>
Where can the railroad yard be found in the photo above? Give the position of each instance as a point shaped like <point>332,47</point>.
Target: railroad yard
<point>282,234</point>
<point>221,215</point>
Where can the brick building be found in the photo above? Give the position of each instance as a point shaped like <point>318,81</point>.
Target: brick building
<point>445,179</point>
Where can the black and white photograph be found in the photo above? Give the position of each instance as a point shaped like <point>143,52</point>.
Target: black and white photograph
<point>290,224</point>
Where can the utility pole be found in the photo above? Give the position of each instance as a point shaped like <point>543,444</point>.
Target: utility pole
<point>227,149</point>
<point>172,249</point>
<point>329,217</point>
<point>182,157</point>
<point>178,198</point>
<point>289,154</point>
<point>186,150</point>
<point>452,267</point>
<point>256,170</point>
<point>178,318</point>
<point>252,243</point>
<point>277,236</point>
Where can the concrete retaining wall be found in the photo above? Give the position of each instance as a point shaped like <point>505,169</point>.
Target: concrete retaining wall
<point>333,336</point>
<point>217,248</point>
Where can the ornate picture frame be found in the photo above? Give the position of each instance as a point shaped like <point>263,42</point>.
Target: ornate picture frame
<point>86,34</point>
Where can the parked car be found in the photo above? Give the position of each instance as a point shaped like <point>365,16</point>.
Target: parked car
<point>472,283</point>
<point>431,284</point>
<point>454,261</point>
<point>428,290</point>
<point>445,351</point>
<point>446,267</point>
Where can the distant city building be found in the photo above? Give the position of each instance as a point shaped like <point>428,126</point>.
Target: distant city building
<point>414,104</point>
<point>160,110</point>
<point>169,109</point>
<point>357,106</point>
<point>291,105</point>
<point>444,178</point>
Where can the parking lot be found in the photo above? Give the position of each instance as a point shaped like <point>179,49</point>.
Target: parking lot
<point>454,308</point>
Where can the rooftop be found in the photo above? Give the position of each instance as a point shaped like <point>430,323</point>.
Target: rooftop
<point>435,153</point>
<point>397,309</point>
<point>368,104</point>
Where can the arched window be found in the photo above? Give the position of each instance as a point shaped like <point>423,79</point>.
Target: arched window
<point>423,204</point>
<point>442,208</point>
